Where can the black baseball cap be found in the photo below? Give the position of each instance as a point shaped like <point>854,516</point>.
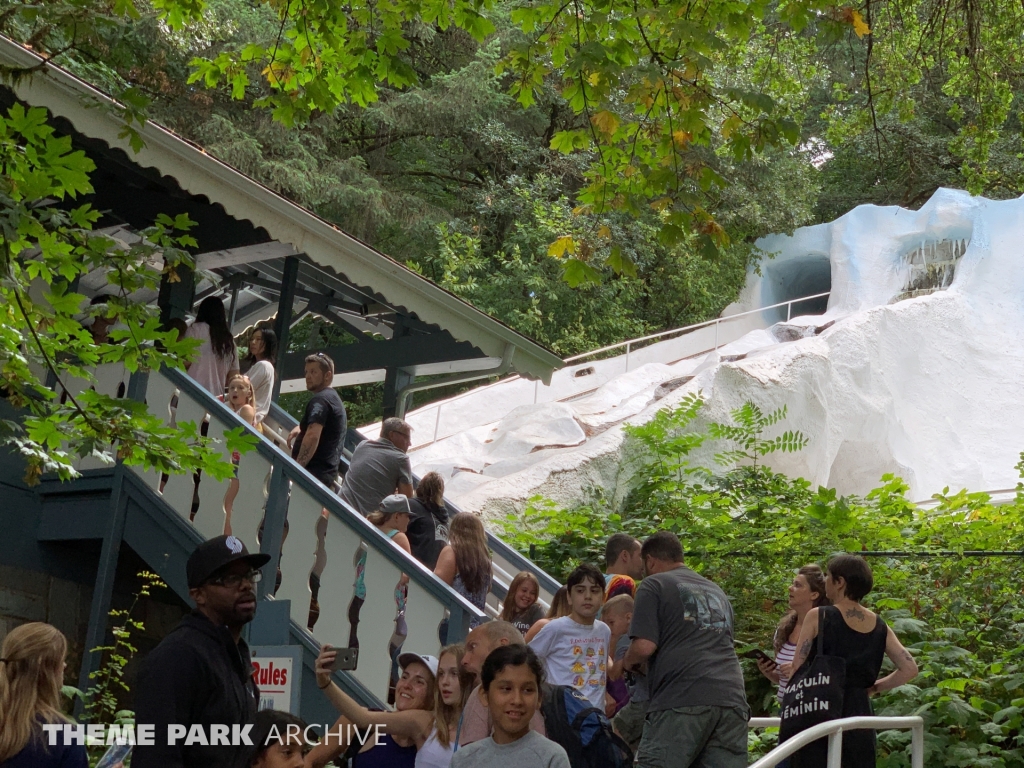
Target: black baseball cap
<point>213,554</point>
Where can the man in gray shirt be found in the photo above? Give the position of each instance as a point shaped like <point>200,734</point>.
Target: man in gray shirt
<point>682,632</point>
<point>379,468</point>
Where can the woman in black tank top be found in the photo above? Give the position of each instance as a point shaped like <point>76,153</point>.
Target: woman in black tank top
<point>862,638</point>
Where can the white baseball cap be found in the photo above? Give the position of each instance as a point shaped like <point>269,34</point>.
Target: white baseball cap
<point>430,662</point>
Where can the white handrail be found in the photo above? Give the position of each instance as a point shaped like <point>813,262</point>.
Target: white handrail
<point>628,345</point>
<point>834,729</point>
<point>686,328</point>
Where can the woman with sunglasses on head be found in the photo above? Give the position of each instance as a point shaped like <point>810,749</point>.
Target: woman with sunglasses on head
<point>31,675</point>
<point>806,591</point>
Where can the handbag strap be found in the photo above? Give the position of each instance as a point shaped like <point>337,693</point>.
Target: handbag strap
<point>821,629</point>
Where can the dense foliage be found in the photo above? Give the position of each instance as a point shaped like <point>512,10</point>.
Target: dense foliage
<point>586,171</point>
<point>45,248</point>
<point>653,110</point>
<point>958,610</point>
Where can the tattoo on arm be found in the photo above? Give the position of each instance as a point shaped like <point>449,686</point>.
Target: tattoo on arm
<point>305,453</point>
<point>802,653</point>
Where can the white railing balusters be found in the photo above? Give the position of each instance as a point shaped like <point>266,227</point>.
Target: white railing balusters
<point>429,600</point>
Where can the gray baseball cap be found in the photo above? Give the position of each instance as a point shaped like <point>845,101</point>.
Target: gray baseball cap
<point>395,504</point>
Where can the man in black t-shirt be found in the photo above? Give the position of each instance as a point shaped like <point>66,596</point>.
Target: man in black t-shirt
<point>316,445</point>
<point>317,441</point>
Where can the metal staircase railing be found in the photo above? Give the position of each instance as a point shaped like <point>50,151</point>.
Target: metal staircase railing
<point>306,529</point>
<point>506,561</point>
<point>582,374</point>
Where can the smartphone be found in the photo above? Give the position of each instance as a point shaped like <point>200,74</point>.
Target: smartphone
<point>758,655</point>
<point>345,660</point>
<point>117,753</point>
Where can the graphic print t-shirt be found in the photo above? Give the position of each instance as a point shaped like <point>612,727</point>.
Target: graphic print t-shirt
<point>577,655</point>
<point>690,620</point>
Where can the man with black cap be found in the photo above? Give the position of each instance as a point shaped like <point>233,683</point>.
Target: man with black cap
<point>201,673</point>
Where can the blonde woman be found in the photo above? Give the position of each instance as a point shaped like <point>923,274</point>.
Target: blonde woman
<point>242,400</point>
<point>454,683</point>
<point>465,563</point>
<point>31,675</point>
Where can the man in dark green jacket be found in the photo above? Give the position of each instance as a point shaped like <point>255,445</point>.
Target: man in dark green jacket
<point>200,676</point>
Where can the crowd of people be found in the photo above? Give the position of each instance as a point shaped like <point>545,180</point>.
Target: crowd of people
<point>654,664</point>
<point>645,648</point>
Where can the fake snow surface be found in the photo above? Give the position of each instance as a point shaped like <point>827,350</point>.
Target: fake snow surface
<point>929,387</point>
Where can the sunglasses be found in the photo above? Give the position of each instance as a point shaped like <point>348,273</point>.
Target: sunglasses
<point>234,580</point>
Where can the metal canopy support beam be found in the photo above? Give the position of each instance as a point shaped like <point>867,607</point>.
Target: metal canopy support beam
<point>327,300</point>
<point>396,381</point>
<point>247,254</point>
<point>284,315</point>
<point>404,352</point>
<point>175,299</point>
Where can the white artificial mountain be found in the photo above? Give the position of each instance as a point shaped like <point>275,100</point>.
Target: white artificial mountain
<point>916,368</point>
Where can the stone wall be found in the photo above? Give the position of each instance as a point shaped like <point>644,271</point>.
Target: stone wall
<point>27,595</point>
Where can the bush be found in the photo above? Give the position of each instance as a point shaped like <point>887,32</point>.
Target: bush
<point>958,610</point>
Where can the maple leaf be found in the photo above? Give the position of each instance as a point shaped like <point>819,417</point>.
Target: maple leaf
<point>561,246</point>
<point>860,27</point>
<point>605,122</point>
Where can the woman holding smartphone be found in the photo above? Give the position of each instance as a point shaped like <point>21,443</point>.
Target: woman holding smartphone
<point>807,591</point>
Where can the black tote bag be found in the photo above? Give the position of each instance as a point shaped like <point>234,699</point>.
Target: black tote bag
<point>815,693</point>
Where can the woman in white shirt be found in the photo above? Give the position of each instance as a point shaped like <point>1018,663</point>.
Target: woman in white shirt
<point>217,361</point>
<point>260,368</point>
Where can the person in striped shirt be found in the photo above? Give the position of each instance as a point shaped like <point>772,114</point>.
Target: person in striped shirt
<point>805,592</point>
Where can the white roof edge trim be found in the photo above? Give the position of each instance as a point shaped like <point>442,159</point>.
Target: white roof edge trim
<point>242,197</point>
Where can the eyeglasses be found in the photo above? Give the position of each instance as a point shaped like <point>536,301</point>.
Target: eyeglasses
<point>233,580</point>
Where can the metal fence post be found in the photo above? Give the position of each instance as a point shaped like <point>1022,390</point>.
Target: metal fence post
<point>716,335</point>
<point>437,421</point>
<point>627,356</point>
<point>789,310</point>
<point>835,750</point>
<point>917,746</point>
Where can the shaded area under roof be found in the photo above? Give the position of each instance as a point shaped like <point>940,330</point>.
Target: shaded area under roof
<point>171,175</point>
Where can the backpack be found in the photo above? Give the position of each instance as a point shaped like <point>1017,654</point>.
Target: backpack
<point>582,730</point>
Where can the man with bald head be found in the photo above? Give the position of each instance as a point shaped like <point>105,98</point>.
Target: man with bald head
<point>476,718</point>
